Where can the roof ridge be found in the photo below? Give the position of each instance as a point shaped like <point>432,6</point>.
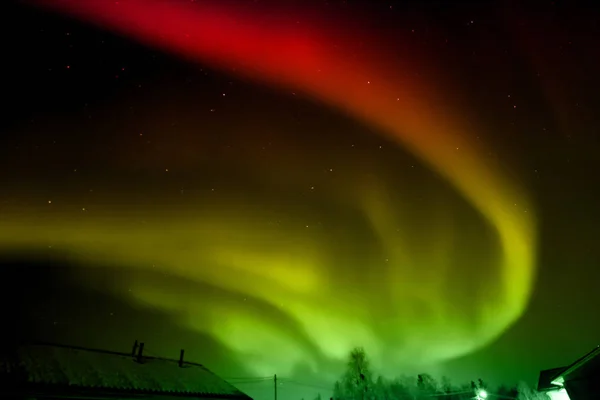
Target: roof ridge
<point>111,352</point>
<point>577,363</point>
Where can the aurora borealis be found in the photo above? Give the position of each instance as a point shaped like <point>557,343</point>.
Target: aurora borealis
<point>331,187</point>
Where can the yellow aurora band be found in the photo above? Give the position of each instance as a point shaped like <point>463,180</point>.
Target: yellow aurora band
<point>394,298</point>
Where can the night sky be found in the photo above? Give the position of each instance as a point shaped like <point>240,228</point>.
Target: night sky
<point>268,184</point>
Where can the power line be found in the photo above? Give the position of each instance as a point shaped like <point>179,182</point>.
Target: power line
<point>264,379</point>
<point>442,394</point>
<point>286,380</point>
<point>249,381</point>
<point>249,378</point>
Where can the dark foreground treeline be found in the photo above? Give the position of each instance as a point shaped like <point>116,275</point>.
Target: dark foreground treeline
<point>360,383</point>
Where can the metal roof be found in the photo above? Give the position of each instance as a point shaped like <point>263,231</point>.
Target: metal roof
<point>579,363</point>
<point>51,365</point>
<point>553,378</point>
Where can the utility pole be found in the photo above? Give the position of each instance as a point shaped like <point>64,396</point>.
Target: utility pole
<point>275,384</point>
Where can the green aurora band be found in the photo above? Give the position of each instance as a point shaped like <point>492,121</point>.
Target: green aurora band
<point>415,279</point>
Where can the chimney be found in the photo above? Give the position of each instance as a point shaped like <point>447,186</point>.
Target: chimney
<point>140,352</point>
<point>134,349</point>
<point>181,358</point>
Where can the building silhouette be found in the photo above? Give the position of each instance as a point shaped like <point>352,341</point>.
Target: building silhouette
<point>577,381</point>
